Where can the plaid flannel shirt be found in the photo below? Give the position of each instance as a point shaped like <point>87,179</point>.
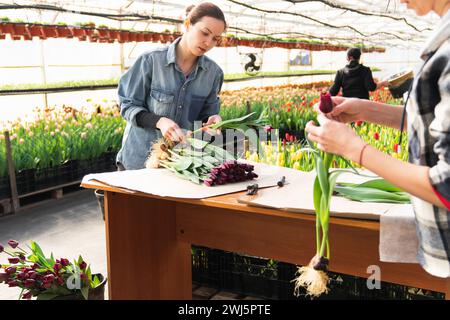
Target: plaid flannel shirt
<point>429,145</point>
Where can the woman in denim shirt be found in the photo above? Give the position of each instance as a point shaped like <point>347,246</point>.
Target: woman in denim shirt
<point>427,175</point>
<point>169,88</point>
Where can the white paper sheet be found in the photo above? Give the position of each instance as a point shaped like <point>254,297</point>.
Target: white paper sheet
<point>164,183</point>
<point>297,196</point>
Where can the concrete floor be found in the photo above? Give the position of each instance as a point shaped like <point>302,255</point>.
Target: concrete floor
<point>68,227</point>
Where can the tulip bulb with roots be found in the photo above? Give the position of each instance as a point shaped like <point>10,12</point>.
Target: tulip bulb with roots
<point>312,277</point>
<point>158,152</point>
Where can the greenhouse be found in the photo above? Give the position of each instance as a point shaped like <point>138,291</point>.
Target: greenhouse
<point>227,150</point>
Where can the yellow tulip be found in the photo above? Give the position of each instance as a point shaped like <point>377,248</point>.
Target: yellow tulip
<point>296,165</point>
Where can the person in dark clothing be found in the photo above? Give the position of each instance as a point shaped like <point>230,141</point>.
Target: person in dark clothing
<point>355,79</point>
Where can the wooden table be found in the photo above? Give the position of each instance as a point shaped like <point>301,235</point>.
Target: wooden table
<point>149,242</point>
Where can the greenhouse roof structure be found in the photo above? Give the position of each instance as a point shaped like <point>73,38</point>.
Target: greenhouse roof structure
<point>370,22</point>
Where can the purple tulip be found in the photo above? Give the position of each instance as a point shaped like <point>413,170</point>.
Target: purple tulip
<point>35,266</point>
<point>13,243</point>
<point>27,295</point>
<point>13,260</point>
<point>22,257</point>
<point>11,270</point>
<point>29,283</point>
<point>12,283</point>
<point>57,267</point>
<point>326,104</point>
<point>207,182</point>
<point>83,265</point>
<point>49,278</point>
<point>65,262</point>
<point>83,276</point>
<point>21,276</point>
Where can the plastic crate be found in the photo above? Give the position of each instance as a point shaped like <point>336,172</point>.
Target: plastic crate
<point>270,279</point>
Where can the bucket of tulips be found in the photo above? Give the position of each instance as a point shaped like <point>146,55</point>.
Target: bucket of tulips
<point>45,278</point>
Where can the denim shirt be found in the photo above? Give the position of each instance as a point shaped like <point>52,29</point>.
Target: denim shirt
<point>155,83</point>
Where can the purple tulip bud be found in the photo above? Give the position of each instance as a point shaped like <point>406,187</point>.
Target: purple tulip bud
<point>11,270</point>
<point>32,274</point>
<point>29,283</point>
<point>13,243</point>
<point>65,262</point>
<point>326,104</point>
<point>57,267</point>
<point>21,276</point>
<point>22,257</point>
<point>83,265</point>
<point>12,283</point>
<point>83,276</point>
<point>13,260</point>
<point>35,266</point>
<point>27,295</point>
<point>49,278</point>
<point>207,183</point>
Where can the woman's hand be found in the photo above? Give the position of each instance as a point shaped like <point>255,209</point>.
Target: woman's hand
<point>346,110</point>
<point>212,120</point>
<point>334,137</point>
<point>170,130</point>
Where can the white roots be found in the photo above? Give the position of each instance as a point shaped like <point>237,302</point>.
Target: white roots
<point>159,152</point>
<point>314,281</point>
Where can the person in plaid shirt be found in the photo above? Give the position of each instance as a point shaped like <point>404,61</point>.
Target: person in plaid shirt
<point>427,175</point>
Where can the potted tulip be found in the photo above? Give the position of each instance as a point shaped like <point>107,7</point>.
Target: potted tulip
<point>48,279</point>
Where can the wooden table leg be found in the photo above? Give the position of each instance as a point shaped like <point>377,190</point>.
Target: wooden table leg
<point>145,260</point>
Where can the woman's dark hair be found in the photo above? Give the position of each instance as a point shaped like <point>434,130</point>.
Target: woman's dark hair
<point>355,53</point>
<point>205,9</point>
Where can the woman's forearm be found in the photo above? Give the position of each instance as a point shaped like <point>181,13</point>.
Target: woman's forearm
<point>411,178</point>
<point>383,114</point>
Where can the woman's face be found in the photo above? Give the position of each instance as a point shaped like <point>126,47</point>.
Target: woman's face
<point>422,7</point>
<point>204,35</point>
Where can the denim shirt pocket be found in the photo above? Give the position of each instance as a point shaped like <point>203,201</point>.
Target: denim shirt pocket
<point>196,106</point>
<point>161,102</point>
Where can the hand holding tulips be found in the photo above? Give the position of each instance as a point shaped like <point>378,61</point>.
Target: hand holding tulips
<point>212,120</point>
<point>170,130</point>
<point>335,137</point>
<point>347,110</point>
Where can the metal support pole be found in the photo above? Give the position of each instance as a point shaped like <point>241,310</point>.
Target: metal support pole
<point>12,174</point>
